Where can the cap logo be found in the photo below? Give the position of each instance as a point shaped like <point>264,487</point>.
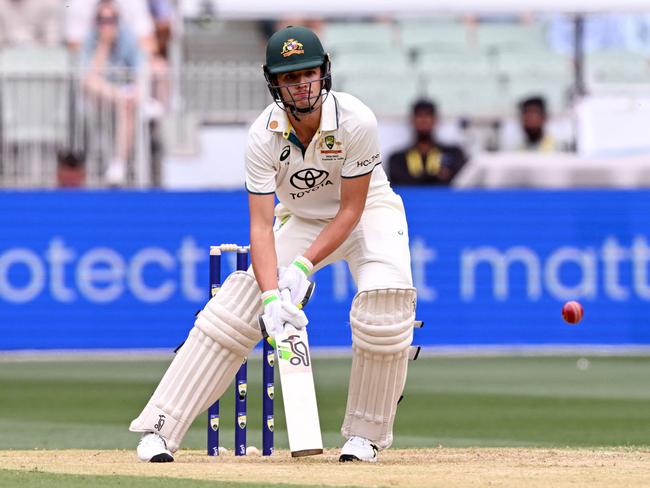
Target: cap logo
<point>291,47</point>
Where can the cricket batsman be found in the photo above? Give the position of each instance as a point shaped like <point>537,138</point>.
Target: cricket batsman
<point>317,151</point>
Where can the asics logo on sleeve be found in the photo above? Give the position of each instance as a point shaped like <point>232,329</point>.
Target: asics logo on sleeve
<point>286,151</point>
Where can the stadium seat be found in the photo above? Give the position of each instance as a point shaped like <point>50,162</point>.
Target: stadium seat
<point>219,41</point>
<point>509,36</point>
<point>466,62</point>
<point>221,92</point>
<point>387,95</point>
<point>535,61</point>
<point>472,96</point>
<point>35,94</point>
<point>615,66</point>
<point>433,34</point>
<point>556,91</point>
<point>350,37</point>
<point>374,63</point>
<point>34,58</point>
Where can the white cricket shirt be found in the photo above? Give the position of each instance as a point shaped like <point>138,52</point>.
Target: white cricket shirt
<point>307,181</point>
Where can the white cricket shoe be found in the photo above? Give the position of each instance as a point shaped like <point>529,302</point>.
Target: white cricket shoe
<point>359,449</point>
<point>153,448</point>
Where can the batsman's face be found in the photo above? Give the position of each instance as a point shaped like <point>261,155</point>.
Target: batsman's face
<point>300,88</point>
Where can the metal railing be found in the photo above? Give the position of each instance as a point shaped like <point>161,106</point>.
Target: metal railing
<point>100,118</point>
<point>49,113</point>
<point>222,92</point>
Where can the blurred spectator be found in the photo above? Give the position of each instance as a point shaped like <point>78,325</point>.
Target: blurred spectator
<point>426,161</point>
<point>533,135</point>
<point>162,14</point>
<point>112,58</point>
<point>30,21</point>
<point>135,14</point>
<point>71,171</point>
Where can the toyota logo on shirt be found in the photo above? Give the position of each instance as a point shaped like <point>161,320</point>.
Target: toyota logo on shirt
<point>308,178</point>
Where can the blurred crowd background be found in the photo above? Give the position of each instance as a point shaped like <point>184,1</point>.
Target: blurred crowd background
<point>158,93</point>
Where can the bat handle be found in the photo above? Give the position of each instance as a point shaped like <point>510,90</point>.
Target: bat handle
<point>262,325</point>
<point>265,334</point>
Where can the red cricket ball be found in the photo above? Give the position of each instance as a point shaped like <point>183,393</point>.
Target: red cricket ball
<point>572,312</point>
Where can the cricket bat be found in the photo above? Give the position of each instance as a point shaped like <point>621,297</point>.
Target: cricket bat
<point>298,392</point>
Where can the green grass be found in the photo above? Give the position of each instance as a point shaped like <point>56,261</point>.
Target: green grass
<point>455,402</point>
<point>35,479</point>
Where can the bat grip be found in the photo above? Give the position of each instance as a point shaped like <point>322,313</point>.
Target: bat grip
<point>262,325</point>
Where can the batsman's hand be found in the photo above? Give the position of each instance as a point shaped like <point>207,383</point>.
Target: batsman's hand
<point>294,278</point>
<point>278,311</point>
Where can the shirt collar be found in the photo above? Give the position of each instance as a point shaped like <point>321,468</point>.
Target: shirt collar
<point>278,121</point>
<point>329,119</point>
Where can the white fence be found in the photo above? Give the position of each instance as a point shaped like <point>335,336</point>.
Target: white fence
<point>222,92</point>
<point>48,113</point>
<point>100,118</point>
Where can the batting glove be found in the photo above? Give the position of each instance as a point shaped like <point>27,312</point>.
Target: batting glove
<point>278,311</point>
<point>294,278</point>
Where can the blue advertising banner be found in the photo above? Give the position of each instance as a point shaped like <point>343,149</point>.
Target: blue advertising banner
<point>124,270</point>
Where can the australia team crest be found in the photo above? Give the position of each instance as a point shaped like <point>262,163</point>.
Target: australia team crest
<point>330,148</point>
<point>291,47</point>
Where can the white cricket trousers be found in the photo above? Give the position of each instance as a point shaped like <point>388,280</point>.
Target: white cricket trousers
<point>377,251</point>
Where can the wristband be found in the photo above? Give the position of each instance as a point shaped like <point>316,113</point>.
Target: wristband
<point>304,265</point>
<point>270,296</point>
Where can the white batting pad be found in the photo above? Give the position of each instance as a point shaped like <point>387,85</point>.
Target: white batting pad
<point>382,331</point>
<point>224,333</point>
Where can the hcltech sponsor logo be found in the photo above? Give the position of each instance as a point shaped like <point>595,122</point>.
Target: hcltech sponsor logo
<point>309,180</point>
<point>368,162</point>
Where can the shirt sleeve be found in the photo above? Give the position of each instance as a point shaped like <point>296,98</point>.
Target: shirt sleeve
<point>260,169</point>
<point>363,147</point>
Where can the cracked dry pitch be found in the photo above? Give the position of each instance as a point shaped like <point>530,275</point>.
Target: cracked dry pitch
<point>440,467</point>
